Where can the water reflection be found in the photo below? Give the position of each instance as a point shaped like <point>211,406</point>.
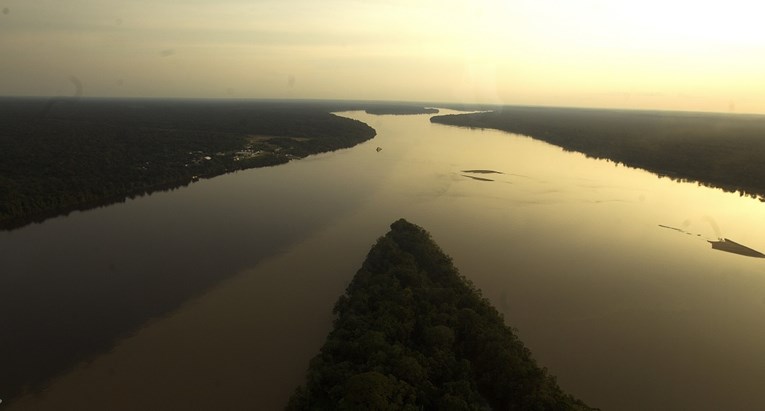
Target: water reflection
<point>477,178</point>
<point>628,316</point>
<point>72,286</point>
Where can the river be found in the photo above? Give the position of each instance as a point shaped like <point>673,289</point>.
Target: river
<point>216,295</point>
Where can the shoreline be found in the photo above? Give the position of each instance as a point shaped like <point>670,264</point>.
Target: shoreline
<point>713,150</point>
<point>86,154</point>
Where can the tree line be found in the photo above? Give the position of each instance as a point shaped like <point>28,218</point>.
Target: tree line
<point>411,333</point>
<point>61,155</point>
<point>718,150</point>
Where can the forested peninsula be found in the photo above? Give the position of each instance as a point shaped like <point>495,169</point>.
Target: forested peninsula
<point>718,150</point>
<point>59,155</point>
<point>411,333</point>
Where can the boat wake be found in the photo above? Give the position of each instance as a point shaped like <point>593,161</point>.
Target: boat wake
<point>722,244</point>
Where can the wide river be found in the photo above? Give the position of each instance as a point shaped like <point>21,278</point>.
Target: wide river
<point>216,295</point>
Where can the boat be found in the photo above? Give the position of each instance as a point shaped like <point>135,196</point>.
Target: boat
<point>728,245</point>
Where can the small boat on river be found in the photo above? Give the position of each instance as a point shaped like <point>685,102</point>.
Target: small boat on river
<point>725,244</point>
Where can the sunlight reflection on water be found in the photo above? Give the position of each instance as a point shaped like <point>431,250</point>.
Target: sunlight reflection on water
<point>626,314</point>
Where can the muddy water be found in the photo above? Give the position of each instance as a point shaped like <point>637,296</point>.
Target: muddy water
<point>628,314</point>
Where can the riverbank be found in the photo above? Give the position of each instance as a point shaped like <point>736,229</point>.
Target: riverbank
<point>717,150</point>
<point>57,156</point>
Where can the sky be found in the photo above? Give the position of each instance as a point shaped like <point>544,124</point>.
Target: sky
<point>648,54</point>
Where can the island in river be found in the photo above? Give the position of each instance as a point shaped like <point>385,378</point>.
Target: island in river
<point>719,150</point>
<point>411,333</point>
<point>60,155</point>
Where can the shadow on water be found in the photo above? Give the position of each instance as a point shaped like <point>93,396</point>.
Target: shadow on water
<point>71,288</point>
<point>481,171</point>
<point>477,178</point>
<point>42,216</point>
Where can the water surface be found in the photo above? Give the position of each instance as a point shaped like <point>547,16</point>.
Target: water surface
<point>627,314</point>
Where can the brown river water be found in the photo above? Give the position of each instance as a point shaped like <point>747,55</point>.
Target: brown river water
<point>216,296</point>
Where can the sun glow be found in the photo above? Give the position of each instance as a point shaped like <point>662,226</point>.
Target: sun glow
<point>650,54</point>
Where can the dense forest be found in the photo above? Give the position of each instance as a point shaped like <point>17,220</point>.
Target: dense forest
<point>411,333</point>
<point>59,155</point>
<point>718,150</point>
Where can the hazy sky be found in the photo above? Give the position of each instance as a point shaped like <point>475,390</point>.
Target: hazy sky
<point>686,55</point>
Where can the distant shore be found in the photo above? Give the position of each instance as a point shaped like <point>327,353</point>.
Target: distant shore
<point>717,150</point>
<point>62,155</point>
<point>400,110</point>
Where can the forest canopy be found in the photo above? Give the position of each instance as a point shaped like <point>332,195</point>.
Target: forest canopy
<point>58,155</point>
<point>411,333</point>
